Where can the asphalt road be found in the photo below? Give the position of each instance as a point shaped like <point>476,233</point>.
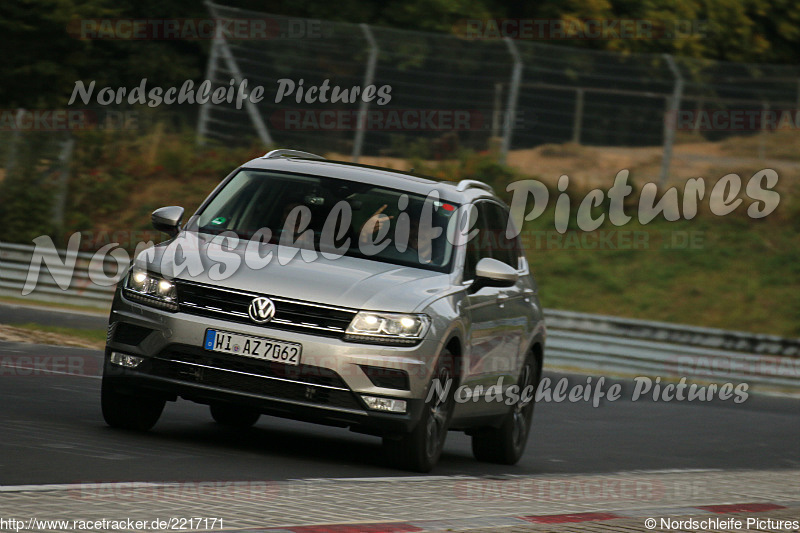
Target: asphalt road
<point>52,432</point>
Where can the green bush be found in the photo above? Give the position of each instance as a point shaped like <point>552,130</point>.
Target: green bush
<point>28,190</point>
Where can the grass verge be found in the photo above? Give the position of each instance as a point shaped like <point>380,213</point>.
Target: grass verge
<point>56,335</point>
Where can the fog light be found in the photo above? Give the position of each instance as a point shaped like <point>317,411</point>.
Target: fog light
<point>123,359</point>
<point>385,404</point>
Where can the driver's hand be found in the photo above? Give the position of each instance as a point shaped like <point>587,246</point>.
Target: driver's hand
<point>376,221</point>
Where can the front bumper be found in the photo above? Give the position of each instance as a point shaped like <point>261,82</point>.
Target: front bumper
<point>325,388</point>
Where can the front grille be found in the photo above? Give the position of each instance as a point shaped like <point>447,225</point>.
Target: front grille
<point>313,375</point>
<point>262,384</point>
<point>290,315</point>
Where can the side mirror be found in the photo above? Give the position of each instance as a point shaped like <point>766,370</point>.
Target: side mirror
<point>493,273</point>
<point>168,219</point>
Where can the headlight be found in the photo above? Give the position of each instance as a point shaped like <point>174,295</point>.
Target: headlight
<point>149,289</point>
<point>387,328</point>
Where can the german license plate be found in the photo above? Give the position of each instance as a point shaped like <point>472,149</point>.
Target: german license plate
<point>257,347</point>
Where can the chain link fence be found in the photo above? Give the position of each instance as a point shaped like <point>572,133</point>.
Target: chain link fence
<point>517,94</point>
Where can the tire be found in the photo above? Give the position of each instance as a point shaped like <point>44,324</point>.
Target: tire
<point>420,449</point>
<point>234,416</point>
<point>506,443</point>
<point>125,411</point>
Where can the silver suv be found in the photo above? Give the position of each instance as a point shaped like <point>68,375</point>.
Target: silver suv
<point>340,294</point>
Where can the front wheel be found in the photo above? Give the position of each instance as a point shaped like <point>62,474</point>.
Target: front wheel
<point>126,411</point>
<point>506,443</point>
<point>420,450</point>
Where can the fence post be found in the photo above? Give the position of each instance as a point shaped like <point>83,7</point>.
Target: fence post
<point>233,67</point>
<point>577,120</point>
<point>797,107</point>
<point>13,146</point>
<point>671,118</point>
<point>513,93</point>
<point>762,134</point>
<point>497,109</point>
<point>202,119</point>
<point>698,112</point>
<point>64,158</point>
<point>369,77</point>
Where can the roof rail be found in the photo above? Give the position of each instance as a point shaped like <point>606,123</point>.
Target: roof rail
<point>290,153</point>
<point>463,185</point>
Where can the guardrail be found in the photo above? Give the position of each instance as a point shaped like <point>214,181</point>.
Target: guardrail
<point>584,342</point>
<point>81,290</point>
<point>608,345</point>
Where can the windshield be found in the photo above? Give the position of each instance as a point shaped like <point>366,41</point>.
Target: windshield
<point>333,216</point>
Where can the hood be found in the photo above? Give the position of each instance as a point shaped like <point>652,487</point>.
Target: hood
<point>345,281</point>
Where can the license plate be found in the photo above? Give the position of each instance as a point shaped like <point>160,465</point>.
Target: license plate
<point>257,347</point>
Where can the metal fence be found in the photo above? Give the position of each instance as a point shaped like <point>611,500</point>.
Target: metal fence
<point>525,93</point>
<point>577,342</point>
<point>56,284</point>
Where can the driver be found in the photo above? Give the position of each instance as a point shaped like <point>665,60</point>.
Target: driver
<point>419,241</point>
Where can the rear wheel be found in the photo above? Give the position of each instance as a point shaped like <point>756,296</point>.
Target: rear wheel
<point>506,443</point>
<point>234,416</point>
<point>127,411</point>
<point>420,450</point>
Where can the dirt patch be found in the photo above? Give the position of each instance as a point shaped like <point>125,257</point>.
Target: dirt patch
<point>12,334</point>
<point>596,166</point>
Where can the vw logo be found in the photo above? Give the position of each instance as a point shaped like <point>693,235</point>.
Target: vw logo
<point>261,310</point>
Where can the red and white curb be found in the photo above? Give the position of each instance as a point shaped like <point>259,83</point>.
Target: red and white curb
<point>510,521</point>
